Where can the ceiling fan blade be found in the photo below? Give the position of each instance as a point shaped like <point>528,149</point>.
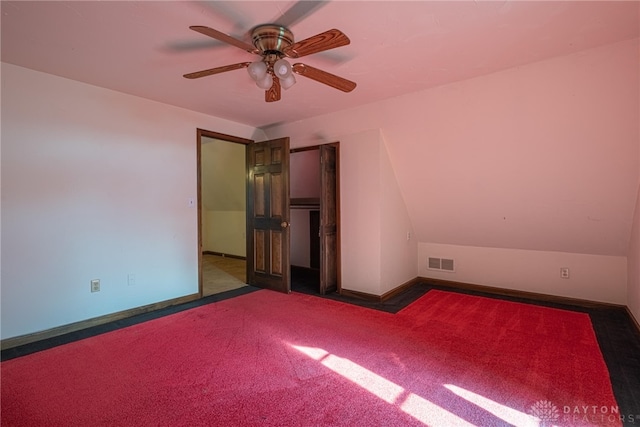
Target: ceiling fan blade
<point>318,43</point>
<point>188,46</point>
<point>224,38</point>
<point>227,11</point>
<point>297,12</point>
<point>217,70</point>
<point>324,77</point>
<point>273,93</point>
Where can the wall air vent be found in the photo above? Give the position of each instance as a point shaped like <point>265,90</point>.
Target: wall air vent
<point>442,264</point>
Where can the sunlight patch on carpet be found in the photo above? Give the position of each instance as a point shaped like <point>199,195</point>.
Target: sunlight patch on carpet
<point>412,404</point>
<point>510,415</point>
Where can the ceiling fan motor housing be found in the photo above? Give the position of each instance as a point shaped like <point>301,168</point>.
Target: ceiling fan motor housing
<point>271,39</point>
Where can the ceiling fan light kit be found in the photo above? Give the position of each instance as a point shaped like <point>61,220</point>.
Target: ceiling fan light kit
<point>257,70</point>
<point>266,82</point>
<point>274,42</point>
<point>287,82</point>
<point>282,68</point>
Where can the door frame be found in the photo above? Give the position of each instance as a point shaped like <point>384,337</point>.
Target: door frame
<point>335,144</point>
<point>200,133</point>
<point>325,260</point>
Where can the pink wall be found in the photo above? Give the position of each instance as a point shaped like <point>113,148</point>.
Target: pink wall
<point>360,212</point>
<point>376,256</point>
<point>633,260</point>
<point>398,243</point>
<point>592,277</point>
<point>95,185</point>
<point>540,158</point>
<point>633,256</point>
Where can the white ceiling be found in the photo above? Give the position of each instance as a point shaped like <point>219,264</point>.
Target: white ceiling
<point>144,47</point>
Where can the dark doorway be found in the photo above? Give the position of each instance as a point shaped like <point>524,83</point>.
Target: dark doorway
<point>314,219</point>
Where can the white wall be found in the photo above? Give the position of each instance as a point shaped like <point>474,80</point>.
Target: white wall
<point>541,158</point>
<point>95,185</point>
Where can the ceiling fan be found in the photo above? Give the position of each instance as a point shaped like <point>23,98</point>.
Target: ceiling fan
<point>272,72</point>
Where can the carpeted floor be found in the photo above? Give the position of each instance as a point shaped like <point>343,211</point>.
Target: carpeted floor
<point>617,336</point>
<point>265,358</point>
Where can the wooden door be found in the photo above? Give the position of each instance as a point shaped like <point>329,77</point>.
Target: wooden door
<point>328,220</point>
<point>268,264</point>
<point>314,240</point>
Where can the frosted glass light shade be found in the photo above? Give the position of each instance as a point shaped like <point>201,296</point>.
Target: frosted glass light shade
<point>287,82</point>
<point>266,82</point>
<point>282,68</point>
<point>257,70</point>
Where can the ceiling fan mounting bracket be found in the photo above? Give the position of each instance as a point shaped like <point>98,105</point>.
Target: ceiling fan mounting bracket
<point>271,39</point>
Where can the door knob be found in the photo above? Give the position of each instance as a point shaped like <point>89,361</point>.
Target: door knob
<point>284,224</point>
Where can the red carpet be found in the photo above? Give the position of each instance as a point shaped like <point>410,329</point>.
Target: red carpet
<point>295,360</point>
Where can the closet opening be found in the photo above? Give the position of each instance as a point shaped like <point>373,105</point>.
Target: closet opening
<point>314,213</point>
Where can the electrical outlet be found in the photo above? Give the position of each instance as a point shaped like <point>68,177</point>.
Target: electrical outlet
<point>131,279</point>
<point>95,285</point>
<point>564,273</point>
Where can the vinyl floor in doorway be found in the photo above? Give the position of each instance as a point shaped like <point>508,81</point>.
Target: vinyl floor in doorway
<point>221,274</point>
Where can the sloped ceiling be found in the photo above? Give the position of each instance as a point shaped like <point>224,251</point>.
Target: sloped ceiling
<point>144,47</point>
<point>539,157</point>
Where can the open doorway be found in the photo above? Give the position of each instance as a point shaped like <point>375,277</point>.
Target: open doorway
<point>305,219</point>
<point>221,212</point>
<point>225,252</point>
<point>314,213</point>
